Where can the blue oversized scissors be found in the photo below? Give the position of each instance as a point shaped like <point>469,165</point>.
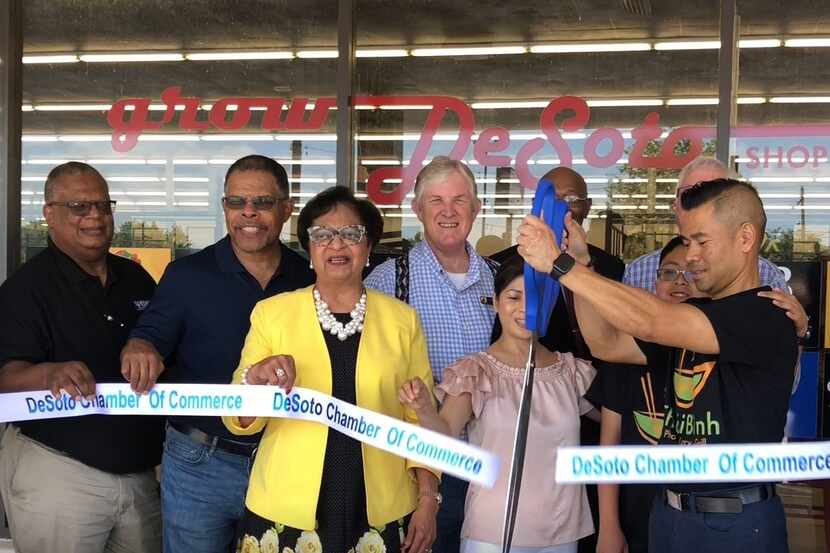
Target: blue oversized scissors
<point>541,290</point>
<point>541,293</point>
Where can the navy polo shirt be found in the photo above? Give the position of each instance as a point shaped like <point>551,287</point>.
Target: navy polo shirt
<point>200,314</point>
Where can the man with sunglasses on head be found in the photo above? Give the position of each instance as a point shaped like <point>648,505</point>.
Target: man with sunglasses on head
<point>80,483</point>
<point>641,272</point>
<point>198,319</point>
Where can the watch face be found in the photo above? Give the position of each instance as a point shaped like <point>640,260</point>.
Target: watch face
<point>563,263</point>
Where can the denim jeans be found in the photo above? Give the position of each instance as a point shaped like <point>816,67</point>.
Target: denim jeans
<point>450,515</point>
<point>202,495</point>
<point>760,528</point>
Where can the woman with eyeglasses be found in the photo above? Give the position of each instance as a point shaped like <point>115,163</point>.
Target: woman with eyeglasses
<point>481,392</point>
<point>313,489</point>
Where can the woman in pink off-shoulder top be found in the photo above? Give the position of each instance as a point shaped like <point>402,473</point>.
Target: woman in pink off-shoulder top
<point>482,392</point>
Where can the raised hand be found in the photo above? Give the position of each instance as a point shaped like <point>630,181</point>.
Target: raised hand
<point>415,395</point>
<point>537,244</point>
<point>575,241</point>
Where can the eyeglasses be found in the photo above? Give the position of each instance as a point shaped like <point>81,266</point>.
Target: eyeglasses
<point>572,199</point>
<point>83,208</point>
<point>260,203</point>
<point>670,274</point>
<point>323,236</point>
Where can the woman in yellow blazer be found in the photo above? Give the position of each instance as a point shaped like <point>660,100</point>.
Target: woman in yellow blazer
<point>313,489</point>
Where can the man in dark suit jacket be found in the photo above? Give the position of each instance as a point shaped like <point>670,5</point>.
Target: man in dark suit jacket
<point>563,331</point>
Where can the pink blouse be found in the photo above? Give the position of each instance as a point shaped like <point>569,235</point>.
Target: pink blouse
<point>549,514</point>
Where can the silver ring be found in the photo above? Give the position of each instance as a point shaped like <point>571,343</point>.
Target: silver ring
<point>280,373</point>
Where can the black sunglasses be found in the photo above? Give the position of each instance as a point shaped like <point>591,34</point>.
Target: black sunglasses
<point>260,203</point>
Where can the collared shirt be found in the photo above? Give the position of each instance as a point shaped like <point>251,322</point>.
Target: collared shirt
<point>54,311</point>
<point>200,315</point>
<point>642,273</point>
<point>456,322</point>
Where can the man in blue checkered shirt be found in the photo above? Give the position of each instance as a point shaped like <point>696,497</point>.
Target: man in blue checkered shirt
<point>451,288</point>
<point>642,272</point>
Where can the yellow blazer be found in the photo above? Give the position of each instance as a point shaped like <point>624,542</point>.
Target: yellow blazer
<point>287,474</point>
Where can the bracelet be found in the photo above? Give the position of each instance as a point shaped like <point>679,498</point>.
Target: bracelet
<point>245,375</point>
<point>435,496</point>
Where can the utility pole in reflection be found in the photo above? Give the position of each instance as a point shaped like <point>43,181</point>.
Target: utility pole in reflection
<point>651,192</point>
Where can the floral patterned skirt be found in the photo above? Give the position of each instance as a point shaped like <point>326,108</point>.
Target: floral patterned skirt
<point>259,535</point>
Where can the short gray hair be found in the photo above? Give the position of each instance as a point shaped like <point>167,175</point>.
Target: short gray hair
<point>69,168</point>
<point>704,162</point>
<point>438,169</point>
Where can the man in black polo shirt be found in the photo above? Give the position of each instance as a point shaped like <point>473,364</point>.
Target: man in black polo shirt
<point>200,316</point>
<point>730,359</point>
<point>86,483</point>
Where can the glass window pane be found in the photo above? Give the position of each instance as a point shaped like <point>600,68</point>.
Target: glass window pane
<point>506,65</point>
<point>781,144</point>
<point>236,76</point>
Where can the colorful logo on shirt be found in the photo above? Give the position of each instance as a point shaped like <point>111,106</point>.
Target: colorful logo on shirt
<point>649,422</point>
<point>689,382</point>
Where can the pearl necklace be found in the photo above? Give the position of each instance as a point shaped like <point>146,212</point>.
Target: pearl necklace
<point>330,323</point>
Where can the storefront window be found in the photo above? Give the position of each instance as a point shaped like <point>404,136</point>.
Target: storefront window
<point>782,142</point>
<point>81,66</point>
<point>506,69</point>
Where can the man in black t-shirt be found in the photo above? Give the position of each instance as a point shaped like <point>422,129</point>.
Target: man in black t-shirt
<point>82,483</point>
<point>631,399</point>
<point>733,357</point>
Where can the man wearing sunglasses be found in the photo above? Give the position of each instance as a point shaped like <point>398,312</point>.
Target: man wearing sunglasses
<point>199,317</point>
<point>82,483</point>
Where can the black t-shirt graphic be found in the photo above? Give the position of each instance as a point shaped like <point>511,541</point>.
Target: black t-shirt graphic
<point>637,394</point>
<point>740,395</point>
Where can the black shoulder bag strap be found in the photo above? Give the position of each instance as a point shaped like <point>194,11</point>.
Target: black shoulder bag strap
<point>402,276</point>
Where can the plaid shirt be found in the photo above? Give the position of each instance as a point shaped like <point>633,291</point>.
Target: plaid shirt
<point>642,273</point>
<point>456,322</point>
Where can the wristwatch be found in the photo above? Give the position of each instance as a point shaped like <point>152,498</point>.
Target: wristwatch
<point>802,341</point>
<point>561,265</point>
<point>432,495</point>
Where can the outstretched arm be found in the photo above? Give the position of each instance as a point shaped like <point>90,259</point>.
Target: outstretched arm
<point>629,311</point>
<point>456,411</point>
